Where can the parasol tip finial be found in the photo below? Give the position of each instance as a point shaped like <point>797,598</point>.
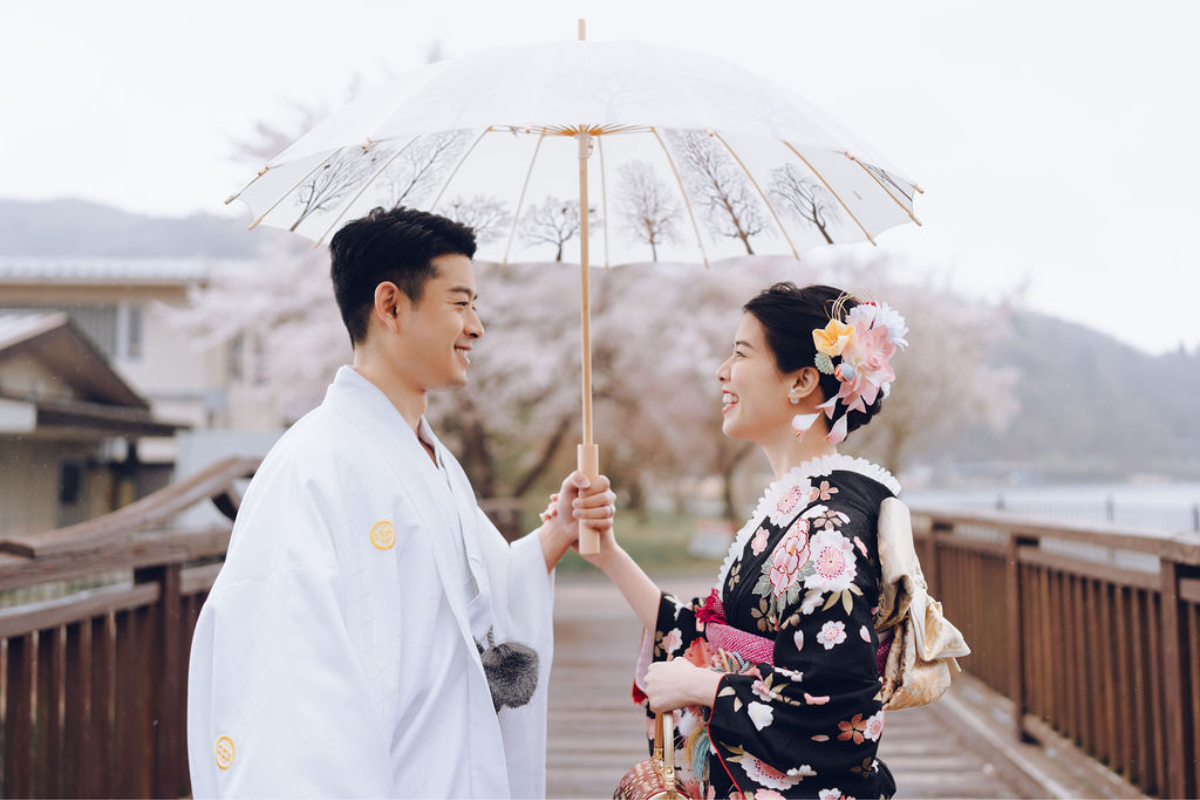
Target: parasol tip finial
<point>583,30</point>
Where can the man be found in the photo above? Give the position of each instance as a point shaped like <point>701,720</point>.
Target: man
<point>339,652</point>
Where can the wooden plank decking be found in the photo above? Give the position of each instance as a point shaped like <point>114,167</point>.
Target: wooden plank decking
<point>595,731</point>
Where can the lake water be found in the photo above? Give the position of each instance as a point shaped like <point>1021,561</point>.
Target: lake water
<point>1166,506</point>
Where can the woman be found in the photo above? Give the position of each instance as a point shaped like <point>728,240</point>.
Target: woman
<point>780,678</point>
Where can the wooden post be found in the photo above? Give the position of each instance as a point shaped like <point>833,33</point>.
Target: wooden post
<point>100,770</point>
<point>167,663</point>
<point>78,701</point>
<point>1176,733</point>
<point>47,746</point>
<point>18,718</point>
<point>1017,646</point>
<point>929,566</point>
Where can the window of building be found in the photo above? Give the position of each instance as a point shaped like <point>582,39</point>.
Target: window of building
<point>133,331</point>
<point>70,483</point>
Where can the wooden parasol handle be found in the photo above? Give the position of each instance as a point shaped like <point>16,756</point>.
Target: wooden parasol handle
<point>589,453</point>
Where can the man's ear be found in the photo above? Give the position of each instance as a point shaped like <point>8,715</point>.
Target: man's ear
<point>391,306</point>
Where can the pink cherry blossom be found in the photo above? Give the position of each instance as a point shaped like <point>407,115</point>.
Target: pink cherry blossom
<point>834,561</point>
<point>874,726</point>
<point>832,634</point>
<point>764,774</point>
<point>764,692</point>
<point>759,543</point>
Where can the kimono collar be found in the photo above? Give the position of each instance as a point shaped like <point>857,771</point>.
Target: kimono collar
<point>813,468</point>
<point>375,402</point>
<point>443,479</point>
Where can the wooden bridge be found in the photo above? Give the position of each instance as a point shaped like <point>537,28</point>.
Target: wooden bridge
<point>1084,680</point>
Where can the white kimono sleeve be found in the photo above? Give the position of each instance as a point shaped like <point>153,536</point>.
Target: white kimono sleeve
<point>278,704</point>
<point>524,600</point>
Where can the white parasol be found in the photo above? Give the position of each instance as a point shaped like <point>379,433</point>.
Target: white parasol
<point>690,158</point>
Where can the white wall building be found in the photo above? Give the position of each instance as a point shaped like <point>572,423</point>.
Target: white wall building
<point>123,305</point>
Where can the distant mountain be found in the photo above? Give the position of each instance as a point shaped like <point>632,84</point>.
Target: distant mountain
<point>81,228</point>
<point>1091,405</point>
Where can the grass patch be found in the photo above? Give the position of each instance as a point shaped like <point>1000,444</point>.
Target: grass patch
<point>658,542</point>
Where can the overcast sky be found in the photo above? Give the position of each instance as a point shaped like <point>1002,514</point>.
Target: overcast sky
<point>1053,139</point>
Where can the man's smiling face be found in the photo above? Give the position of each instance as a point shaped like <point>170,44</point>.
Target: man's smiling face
<point>441,329</point>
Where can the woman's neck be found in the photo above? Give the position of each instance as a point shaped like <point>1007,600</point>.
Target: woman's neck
<point>787,450</point>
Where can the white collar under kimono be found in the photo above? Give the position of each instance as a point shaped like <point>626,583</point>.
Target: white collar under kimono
<point>476,591</point>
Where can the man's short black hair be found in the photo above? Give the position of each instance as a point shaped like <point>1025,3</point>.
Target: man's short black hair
<point>396,245</point>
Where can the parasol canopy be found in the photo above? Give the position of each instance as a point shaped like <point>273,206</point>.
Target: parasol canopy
<point>690,158</point>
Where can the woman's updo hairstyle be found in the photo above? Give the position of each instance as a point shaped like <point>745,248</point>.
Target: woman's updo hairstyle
<point>789,315</point>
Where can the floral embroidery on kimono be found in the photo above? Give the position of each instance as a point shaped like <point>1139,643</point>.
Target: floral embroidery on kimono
<point>797,713</point>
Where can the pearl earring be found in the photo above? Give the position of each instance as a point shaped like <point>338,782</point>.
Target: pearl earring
<point>793,399</point>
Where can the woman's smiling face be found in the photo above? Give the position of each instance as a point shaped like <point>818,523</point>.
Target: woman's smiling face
<point>754,399</point>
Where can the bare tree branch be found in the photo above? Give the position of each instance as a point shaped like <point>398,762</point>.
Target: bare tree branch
<point>487,216</point>
<point>554,222</point>
<point>649,209</point>
<point>342,174</point>
<point>804,198</point>
<point>720,186</point>
<point>420,164</point>
<point>887,177</point>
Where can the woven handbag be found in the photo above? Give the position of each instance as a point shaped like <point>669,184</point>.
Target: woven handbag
<point>654,778</point>
<point>921,661</point>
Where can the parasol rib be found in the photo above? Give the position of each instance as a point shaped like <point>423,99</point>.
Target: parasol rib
<point>288,193</point>
<point>521,199</point>
<point>253,181</point>
<point>886,189</point>
<point>454,171</point>
<point>359,193</point>
<point>686,200</point>
<point>836,196</point>
<point>761,193</point>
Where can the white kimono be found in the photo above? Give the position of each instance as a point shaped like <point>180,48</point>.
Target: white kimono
<point>336,655</point>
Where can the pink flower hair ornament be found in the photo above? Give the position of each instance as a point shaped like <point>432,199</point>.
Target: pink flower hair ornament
<point>863,347</point>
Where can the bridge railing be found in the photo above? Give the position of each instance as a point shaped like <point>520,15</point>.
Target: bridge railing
<point>93,684</point>
<point>1092,633</point>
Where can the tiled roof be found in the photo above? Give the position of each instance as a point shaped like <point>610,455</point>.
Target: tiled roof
<point>18,327</point>
<point>18,269</point>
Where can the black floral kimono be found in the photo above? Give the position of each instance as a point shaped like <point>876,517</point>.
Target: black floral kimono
<point>798,713</point>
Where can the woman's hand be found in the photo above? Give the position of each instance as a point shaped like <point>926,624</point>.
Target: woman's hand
<point>578,500</point>
<point>594,504</point>
<point>677,683</point>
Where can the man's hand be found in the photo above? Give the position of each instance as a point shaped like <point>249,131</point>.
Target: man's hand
<point>578,500</point>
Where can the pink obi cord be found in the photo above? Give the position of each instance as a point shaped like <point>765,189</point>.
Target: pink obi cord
<point>752,647</point>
